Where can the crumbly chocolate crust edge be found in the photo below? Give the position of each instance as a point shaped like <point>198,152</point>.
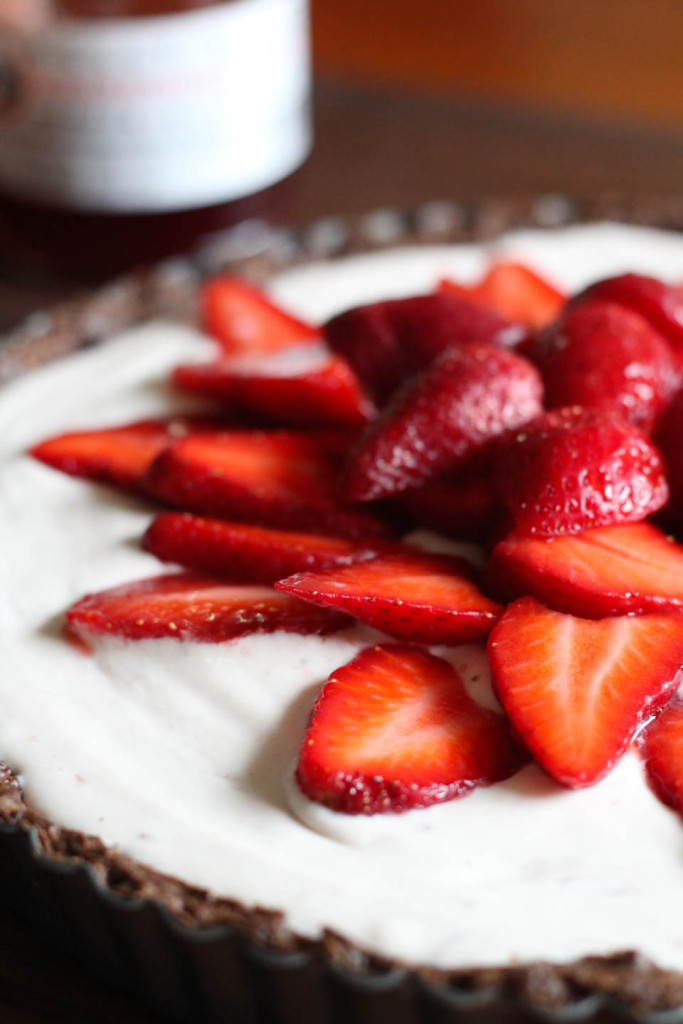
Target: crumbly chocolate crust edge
<point>625,984</point>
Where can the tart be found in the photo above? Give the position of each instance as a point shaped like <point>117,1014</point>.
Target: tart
<point>149,796</point>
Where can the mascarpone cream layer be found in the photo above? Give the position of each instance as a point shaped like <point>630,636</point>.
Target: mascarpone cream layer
<point>181,754</point>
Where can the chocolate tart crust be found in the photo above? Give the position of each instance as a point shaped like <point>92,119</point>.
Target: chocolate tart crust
<point>194,956</point>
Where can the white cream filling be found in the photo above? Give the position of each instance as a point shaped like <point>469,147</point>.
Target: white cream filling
<point>181,754</point>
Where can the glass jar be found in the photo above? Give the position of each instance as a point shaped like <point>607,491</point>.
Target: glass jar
<point>131,130</point>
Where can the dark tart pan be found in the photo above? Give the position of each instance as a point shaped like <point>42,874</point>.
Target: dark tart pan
<point>189,955</point>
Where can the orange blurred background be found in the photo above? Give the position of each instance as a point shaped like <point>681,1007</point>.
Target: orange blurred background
<point>604,57</point>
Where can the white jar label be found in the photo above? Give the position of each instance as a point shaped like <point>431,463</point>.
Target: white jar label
<point>158,114</point>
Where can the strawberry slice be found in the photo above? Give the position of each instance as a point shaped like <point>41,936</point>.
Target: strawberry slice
<point>661,747</point>
<point>514,291</point>
<point>296,387</point>
<point>429,599</point>
<point>468,396</point>
<point>396,729</point>
<point>612,570</point>
<point>604,356</point>
<point>575,469</point>
<point>240,552</point>
<point>388,342</point>
<point>577,689</point>
<point>117,455</point>
<point>660,304</point>
<point>189,607</point>
<point>242,319</point>
<point>282,479</point>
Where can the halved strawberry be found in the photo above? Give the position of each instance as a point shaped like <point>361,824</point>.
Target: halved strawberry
<point>515,291</point>
<point>283,479</point>
<point>605,356</point>
<point>577,689</point>
<point>117,455</point>
<point>388,342</point>
<point>612,570</point>
<point>429,599</point>
<point>576,469</point>
<point>661,747</point>
<point>242,319</point>
<point>241,552</point>
<point>660,304</point>
<point>295,387</point>
<point>396,729</point>
<point>189,607</point>
<point>468,396</point>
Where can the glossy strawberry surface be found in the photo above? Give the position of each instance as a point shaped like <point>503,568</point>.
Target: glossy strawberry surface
<point>396,729</point>
<point>429,599</point>
<point>573,469</point>
<point>194,608</point>
<point>388,342</point>
<point>576,689</point>
<point>613,570</point>
<point>467,397</point>
<point>604,356</point>
<point>242,552</point>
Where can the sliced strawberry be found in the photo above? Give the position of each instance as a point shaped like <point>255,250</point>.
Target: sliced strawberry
<point>388,342</point>
<point>243,320</point>
<point>430,599</point>
<point>604,356</point>
<point>660,304</point>
<point>195,608</point>
<point>243,553</point>
<point>515,291</point>
<point>463,506</point>
<point>661,747</point>
<point>577,689</point>
<point>117,455</point>
<point>283,479</point>
<point>396,729</point>
<point>609,571</point>
<point>296,387</point>
<point>467,397</point>
<point>575,469</point>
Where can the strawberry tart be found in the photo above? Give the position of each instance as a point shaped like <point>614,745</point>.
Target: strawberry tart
<point>343,633</point>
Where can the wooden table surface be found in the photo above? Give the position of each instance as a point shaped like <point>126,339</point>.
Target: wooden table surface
<point>373,148</point>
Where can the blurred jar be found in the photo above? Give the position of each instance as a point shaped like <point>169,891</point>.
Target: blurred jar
<point>131,130</point>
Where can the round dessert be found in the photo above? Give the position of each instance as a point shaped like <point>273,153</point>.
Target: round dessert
<point>182,754</point>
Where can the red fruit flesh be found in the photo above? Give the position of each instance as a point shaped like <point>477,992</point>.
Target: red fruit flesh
<point>243,320</point>
<point>604,356</point>
<point>428,599</point>
<point>613,570</point>
<point>577,689</point>
<point>467,397</point>
<point>394,730</point>
<point>323,391</point>
<point>119,456</point>
<point>573,470</point>
<point>463,506</point>
<point>667,437</point>
<point>388,342</point>
<point>661,747</point>
<point>281,479</point>
<point>513,291</point>
<point>659,303</point>
<point>188,607</point>
<point>254,554</point>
